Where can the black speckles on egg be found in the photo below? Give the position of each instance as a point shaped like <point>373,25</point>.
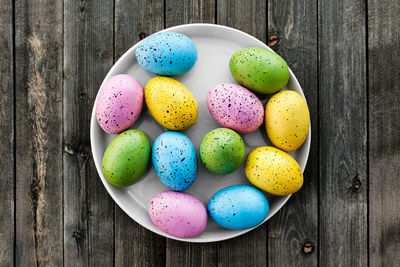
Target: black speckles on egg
<point>171,103</point>
<point>235,107</point>
<point>175,162</point>
<point>119,103</point>
<point>166,54</point>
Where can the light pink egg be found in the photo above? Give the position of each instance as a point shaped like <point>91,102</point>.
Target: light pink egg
<point>235,107</point>
<point>178,214</point>
<point>119,103</point>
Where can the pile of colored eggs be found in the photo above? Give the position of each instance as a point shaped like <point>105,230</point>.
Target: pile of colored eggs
<point>235,107</point>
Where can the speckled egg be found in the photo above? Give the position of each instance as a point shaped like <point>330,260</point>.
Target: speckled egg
<point>273,171</point>
<point>119,103</point>
<point>170,103</point>
<point>287,120</point>
<point>175,161</point>
<point>178,214</point>
<point>238,207</point>
<point>126,158</point>
<point>222,151</point>
<point>235,107</point>
<point>166,54</point>
<point>259,69</point>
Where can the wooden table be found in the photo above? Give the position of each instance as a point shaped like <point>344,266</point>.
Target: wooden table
<point>54,208</point>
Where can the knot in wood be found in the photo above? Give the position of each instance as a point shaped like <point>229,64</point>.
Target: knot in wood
<point>77,235</point>
<point>356,182</point>
<point>308,247</point>
<point>82,96</point>
<point>142,35</point>
<point>273,40</point>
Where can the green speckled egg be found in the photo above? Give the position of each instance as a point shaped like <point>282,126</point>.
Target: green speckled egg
<point>259,69</point>
<point>126,158</point>
<point>222,151</point>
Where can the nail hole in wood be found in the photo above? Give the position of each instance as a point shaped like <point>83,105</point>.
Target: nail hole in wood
<point>308,247</point>
<point>82,96</point>
<point>356,182</point>
<point>142,35</point>
<point>273,40</point>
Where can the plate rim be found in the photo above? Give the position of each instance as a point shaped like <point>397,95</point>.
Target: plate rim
<point>98,166</point>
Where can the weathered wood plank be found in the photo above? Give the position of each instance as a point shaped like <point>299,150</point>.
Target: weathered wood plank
<point>384,129</point>
<point>293,231</point>
<point>343,133</point>
<point>249,249</point>
<point>7,152</point>
<point>88,209</point>
<point>184,253</point>
<point>135,245</point>
<point>189,11</point>
<point>39,183</point>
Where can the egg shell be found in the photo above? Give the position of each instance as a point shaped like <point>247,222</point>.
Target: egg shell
<point>126,158</point>
<point>273,171</point>
<point>178,214</point>
<point>238,207</point>
<point>166,54</point>
<point>174,160</point>
<point>235,107</point>
<point>119,103</point>
<point>259,69</point>
<point>170,103</point>
<point>287,120</point>
<point>222,151</point>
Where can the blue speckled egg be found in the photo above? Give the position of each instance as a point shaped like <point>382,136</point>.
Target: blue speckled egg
<point>175,161</point>
<point>238,207</point>
<point>166,54</point>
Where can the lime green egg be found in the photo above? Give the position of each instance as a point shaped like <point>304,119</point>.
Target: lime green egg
<point>126,158</point>
<point>259,69</point>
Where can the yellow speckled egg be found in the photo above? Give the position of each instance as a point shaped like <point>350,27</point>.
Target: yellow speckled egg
<point>287,120</point>
<point>170,103</point>
<point>273,171</point>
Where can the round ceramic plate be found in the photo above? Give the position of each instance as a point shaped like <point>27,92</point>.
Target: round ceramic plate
<point>215,45</point>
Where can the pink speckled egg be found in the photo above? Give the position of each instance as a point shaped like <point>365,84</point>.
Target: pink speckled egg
<point>235,107</point>
<point>178,214</point>
<point>119,103</point>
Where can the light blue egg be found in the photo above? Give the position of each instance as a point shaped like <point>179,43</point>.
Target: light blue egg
<point>238,207</point>
<point>166,54</point>
<point>175,161</point>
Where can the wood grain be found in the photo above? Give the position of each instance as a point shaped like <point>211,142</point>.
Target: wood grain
<point>384,129</point>
<point>184,253</point>
<point>189,11</point>
<point>293,231</point>
<point>135,245</point>
<point>7,121</point>
<point>39,70</point>
<point>343,133</point>
<point>249,249</point>
<point>88,209</point>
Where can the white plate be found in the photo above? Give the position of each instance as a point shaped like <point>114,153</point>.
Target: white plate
<point>215,45</point>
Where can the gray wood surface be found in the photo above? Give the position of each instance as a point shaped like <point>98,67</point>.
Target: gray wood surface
<point>293,232</point>
<point>384,132</point>
<point>38,138</point>
<point>88,209</point>
<point>54,209</point>
<point>343,205</point>
<point>7,121</point>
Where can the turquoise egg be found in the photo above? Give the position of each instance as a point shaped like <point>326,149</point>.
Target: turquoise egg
<point>166,54</point>
<point>238,207</point>
<point>174,160</point>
